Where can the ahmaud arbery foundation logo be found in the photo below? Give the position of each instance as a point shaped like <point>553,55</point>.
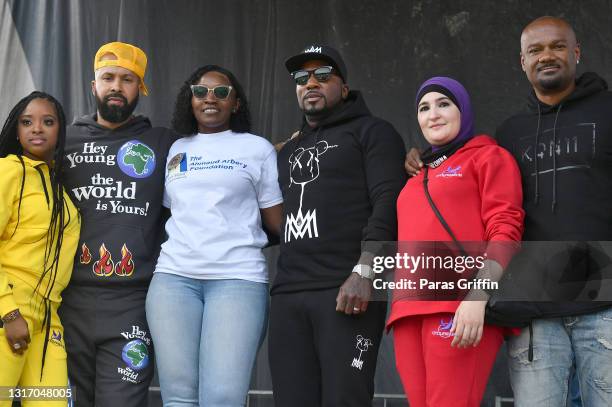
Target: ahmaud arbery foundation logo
<point>177,167</point>
<point>177,164</point>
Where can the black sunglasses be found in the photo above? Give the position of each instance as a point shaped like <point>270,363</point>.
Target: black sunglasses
<point>221,92</point>
<point>321,74</point>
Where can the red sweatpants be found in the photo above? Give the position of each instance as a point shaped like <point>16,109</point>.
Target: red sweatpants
<point>433,373</point>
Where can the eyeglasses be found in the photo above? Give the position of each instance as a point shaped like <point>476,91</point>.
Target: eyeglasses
<point>321,74</point>
<point>220,92</point>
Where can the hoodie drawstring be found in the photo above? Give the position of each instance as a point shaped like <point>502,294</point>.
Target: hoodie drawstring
<point>47,326</point>
<point>530,350</point>
<point>44,184</point>
<point>47,319</point>
<point>536,198</point>
<point>298,139</point>
<point>554,185</point>
<point>301,131</point>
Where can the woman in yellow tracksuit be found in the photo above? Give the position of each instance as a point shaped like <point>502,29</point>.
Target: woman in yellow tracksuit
<point>39,231</point>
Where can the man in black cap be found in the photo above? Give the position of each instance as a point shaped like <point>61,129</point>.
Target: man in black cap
<point>340,179</point>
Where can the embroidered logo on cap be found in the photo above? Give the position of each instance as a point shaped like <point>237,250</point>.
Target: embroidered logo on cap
<point>313,49</point>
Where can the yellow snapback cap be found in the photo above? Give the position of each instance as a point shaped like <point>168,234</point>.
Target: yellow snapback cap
<point>128,57</point>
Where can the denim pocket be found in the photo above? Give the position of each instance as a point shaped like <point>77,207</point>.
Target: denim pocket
<point>518,347</point>
<point>520,355</point>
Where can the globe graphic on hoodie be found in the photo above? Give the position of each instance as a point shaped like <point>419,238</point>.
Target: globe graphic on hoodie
<point>136,159</point>
<point>135,354</point>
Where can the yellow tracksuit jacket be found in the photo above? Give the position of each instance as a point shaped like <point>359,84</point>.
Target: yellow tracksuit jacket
<point>22,252</point>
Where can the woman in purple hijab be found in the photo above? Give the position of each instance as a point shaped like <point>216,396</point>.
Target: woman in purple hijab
<point>469,191</point>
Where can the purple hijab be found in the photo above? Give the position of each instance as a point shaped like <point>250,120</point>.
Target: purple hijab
<point>459,95</point>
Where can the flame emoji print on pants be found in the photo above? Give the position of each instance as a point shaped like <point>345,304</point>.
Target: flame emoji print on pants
<point>125,267</point>
<point>104,266</point>
<point>85,257</point>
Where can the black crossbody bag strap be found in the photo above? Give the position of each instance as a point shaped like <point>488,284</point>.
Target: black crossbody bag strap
<point>434,208</point>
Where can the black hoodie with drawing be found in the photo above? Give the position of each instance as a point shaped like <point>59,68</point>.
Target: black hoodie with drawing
<point>340,183</point>
<point>116,179</point>
<point>565,156</point>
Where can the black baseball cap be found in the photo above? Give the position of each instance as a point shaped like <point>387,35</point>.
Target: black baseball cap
<point>324,52</point>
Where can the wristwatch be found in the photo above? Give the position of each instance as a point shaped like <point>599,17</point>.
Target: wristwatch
<point>364,271</point>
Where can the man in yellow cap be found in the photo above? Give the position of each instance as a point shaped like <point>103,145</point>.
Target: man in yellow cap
<point>119,74</point>
<point>115,173</point>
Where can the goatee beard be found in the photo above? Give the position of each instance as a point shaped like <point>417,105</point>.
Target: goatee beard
<point>113,113</point>
<point>551,83</point>
<point>321,114</point>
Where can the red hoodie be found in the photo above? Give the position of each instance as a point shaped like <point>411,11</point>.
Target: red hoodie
<point>478,192</point>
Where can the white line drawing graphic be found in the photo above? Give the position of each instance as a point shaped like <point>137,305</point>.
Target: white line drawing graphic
<point>303,169</point>
<point>362,345</point>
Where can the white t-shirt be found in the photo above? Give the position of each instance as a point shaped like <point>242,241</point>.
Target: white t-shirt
<point>215,186</point>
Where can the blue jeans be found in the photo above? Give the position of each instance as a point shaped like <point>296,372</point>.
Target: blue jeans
<point>574,399</point>
<point>206,334</point>
<point>557,343</point>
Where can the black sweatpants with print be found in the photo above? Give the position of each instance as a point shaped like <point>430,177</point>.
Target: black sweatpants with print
<point>110,353</point>
<point>321,357</point>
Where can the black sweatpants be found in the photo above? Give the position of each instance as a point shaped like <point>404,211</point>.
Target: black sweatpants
<point>321,357</point>
<point>110,353</point>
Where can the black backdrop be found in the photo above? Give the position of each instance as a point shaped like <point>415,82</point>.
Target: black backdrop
<point>390,47</point>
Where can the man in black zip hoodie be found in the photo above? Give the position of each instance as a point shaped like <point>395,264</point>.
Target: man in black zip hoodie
<point>563,145</point>
<point>115,174</point>
<point>340,179</point>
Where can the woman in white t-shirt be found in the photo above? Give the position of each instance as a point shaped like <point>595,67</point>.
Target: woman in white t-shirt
<point>208,301</point>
